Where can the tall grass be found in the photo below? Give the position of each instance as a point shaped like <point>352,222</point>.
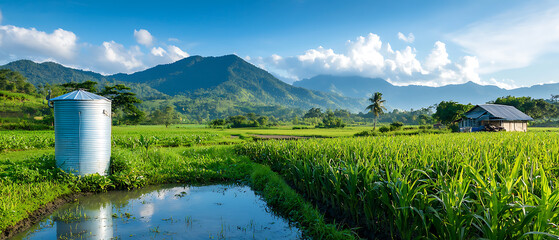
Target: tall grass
<point>457,186</point>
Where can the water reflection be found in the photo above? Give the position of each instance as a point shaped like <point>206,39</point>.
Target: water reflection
<point>168,212</point>
<point>84,222</point>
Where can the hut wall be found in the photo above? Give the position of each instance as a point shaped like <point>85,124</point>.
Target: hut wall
<point>515,126</point>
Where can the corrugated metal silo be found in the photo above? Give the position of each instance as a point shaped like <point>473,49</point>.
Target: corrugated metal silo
<point>82,132</point>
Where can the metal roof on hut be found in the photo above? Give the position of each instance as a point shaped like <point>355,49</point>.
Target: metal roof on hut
<point>497,112</point>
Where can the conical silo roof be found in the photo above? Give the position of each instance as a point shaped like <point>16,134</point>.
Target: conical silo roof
<point>79,95</point>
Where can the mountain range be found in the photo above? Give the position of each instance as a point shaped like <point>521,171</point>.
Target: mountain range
<point>228,78</point>
<point>212,84</point>
<point>412,96</point>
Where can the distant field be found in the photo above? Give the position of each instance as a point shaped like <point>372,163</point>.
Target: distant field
<point>543,129</point>
<point>172,136</point>
<point>187,135</point>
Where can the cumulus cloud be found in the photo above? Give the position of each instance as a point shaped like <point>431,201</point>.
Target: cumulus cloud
<point>513,39</point>
<point>114,56</point>
<point>175,53</point>
<point>143,37</point>
<point>62,46</point>
<point>407,63</point>
<point>35,44</point>
<point>438,57</point>
<point>368,56</point>
<point>158,51</point>
<point>409,39</point>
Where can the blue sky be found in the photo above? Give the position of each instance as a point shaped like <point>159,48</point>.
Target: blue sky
<point>504,43</point>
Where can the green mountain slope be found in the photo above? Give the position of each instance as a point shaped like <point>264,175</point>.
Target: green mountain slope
<point>230,77</point>
<point>207,87</point>
<point>53,73</point>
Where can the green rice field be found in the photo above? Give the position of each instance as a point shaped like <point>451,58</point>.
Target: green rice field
<point>336,186</point>
<point>449,186</point>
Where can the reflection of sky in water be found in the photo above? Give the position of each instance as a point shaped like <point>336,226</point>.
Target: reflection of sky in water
<point>219,212</point>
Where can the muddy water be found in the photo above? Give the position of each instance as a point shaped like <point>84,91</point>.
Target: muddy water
<point>166,212</point>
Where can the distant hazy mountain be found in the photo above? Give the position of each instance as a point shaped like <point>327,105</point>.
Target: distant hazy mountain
<point>227,77</point>
<point>406,97</point>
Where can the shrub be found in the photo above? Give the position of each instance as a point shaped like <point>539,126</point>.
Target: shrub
<point>384,129</point>
<point>396,126</point>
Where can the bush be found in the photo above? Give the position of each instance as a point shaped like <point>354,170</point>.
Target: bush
<point>384,129</point>
<point>218,122</point>
<point>396,126</point>
<point>366,133</point>
<point>331,121</point>
<point>454,127</point>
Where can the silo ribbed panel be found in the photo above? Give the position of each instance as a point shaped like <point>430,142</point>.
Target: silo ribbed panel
<point>83,135</point>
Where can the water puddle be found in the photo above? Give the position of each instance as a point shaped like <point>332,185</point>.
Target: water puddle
<point>166,212</point>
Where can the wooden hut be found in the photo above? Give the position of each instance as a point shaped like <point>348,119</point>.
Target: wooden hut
<point>494,116</point>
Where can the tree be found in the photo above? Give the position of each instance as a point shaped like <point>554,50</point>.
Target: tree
<point>124,100</point>
<point>165,115</point>
<point>90,86</point>
<point>448,112</point>
<point>331,121</point>
<point>314,113</point>
<point>237,121</point>
<point>218,122</point>
<point>15,82</point>
<point>536,108</point>
<point>376,107</point>
<point>262,120</point>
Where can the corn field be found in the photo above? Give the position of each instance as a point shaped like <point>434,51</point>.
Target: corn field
<point>449,186</point>
<point>25,140</point>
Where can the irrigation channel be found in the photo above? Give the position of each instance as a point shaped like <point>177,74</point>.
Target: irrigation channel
<point>166,212</point>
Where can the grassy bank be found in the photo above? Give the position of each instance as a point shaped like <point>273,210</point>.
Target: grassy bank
<point>27,183</point>
<point>449,186</point>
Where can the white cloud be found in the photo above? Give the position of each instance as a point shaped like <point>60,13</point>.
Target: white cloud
<point>158,51</point>
<point>365,56</point>
<point>513,39</point>
<point>407,63</point>
<point>62,46</point>
<point>503,83</point>
<point>438,57</point>
<point>30,43</point>
<point>409,39</point>
<point>173,40</point>
<point>175,53</point>
<point>369,57</point>
<point>143,37</point>
<point>115,57</point>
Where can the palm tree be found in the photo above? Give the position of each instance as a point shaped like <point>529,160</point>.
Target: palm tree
<point>376,106</point>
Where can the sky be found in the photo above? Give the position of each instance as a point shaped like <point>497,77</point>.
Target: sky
<point>509,44</point>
